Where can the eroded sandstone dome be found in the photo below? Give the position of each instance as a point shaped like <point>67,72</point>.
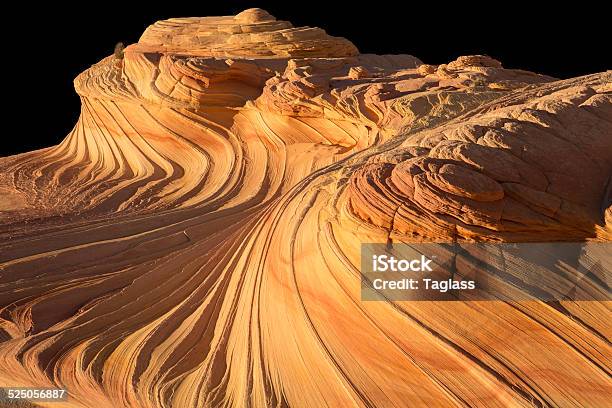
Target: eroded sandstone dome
<point>252,33</point>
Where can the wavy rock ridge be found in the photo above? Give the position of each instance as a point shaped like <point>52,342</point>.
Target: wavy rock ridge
<point>194,241</point>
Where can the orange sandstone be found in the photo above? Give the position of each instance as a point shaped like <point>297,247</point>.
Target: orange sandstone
<point>194,241</point>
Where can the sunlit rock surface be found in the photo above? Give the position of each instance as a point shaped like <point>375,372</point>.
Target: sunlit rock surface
<point>194,241</point>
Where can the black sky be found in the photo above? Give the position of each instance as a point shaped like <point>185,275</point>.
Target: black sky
<point>45,47</point>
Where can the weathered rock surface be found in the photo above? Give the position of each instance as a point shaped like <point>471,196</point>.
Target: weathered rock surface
<point>252,33</point>
<point>529,171</point>
<point>194,241</point>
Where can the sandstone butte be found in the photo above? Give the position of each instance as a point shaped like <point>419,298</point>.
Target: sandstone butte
<point>194,241</point>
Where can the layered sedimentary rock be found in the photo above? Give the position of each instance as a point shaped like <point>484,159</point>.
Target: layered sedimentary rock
<point>194,241</point>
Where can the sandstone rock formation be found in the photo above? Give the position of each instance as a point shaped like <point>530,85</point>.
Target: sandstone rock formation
<point>194,241</point>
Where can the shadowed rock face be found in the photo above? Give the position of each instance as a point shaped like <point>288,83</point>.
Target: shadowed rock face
<point>194,241</point>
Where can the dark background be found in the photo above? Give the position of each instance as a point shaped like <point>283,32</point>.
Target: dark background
<point>45,47</point>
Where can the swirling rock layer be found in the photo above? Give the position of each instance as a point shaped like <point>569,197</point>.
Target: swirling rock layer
<point>194,241</point>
